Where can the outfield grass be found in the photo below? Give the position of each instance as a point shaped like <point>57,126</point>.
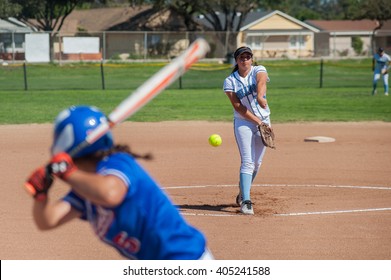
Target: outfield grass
<point>294,93</point>
<point>88,76</point>
<point>287,105</point>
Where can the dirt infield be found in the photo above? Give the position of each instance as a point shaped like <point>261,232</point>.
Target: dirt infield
<point>312,200</point>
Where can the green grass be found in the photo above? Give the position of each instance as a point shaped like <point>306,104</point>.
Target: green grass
<point>88,76</point>
<point>294,92</point>
<point>287,105</point>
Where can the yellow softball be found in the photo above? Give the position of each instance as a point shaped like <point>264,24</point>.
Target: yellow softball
<point>215,140</point>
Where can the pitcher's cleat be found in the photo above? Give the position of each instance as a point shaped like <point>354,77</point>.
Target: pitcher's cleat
<point>239,199</point>
<point>247,207</point>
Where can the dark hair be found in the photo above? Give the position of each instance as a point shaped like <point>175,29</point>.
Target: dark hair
<point>241,50</point>
<point>238,52</point>
<point>118,149</point>
<point>236,68</point>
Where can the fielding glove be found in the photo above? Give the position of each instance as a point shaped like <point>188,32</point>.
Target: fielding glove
<point>267,135</point>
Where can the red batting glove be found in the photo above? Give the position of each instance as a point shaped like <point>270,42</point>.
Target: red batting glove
<point>38,183</point>
<point>62,165</point>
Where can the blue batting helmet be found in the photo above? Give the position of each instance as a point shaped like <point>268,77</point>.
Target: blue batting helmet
<point>72,126</point>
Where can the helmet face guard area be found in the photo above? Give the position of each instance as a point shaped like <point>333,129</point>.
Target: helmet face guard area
<point>72,126</point>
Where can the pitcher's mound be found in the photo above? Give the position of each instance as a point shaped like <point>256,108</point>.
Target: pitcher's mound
<point>319,139</point>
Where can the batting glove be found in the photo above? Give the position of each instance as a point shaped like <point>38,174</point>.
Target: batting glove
<point>62,166</point>
<point>39,182</point>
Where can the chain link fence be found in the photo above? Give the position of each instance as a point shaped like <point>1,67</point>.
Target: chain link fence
<point>163,46</point>
<point>128,76</point>
<point>124,60</point>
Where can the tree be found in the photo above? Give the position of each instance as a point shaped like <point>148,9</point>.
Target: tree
<point>305,9</point>
<point>222,15</point>
<point>47,15</point>
<point>379,10</point>
<point>8,9</point>
<point>227,15</point>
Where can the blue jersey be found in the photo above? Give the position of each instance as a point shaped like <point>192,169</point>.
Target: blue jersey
<point>246,90</point>
<point>145,225</point>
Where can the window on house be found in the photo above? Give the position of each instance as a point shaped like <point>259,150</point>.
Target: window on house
<point>255,42</point>
<point>296,42</point>
<point>19,40</point>
<point>6,40</point>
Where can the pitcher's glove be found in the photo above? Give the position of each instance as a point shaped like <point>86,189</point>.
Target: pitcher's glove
<point>267,135</point>
<point>39,182</point>
<point>384,71</point>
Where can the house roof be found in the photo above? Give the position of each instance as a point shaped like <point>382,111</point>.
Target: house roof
<point>254,18</point>
<point>385,30</point>
<point>257,17</point>
<point>13,25</point>
<point>352,27</point>
<point>343,25</point>
<point>121,19</point>
<point>153,20</point>
<point>101,19</point>
<point>249,18</point>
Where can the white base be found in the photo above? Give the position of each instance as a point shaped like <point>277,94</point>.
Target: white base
<point>319,139</point>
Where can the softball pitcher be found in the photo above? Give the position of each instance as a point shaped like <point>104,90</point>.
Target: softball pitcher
<point>380,67</point>
<point>246,89</point>
<point>109,189</point>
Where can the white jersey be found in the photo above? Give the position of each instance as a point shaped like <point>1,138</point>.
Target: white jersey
<point>246,90</point>
<point>382,62</point>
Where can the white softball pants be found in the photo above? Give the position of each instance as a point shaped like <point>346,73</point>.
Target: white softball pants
<point>251,147</point>
<point>377,76</point>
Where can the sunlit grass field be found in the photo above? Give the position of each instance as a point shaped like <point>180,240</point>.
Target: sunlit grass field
<point>296,93</point>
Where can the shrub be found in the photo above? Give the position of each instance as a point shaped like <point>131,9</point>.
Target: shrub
<point>357,44</point>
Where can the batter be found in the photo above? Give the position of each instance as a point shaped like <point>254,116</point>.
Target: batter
<point>110,190</point>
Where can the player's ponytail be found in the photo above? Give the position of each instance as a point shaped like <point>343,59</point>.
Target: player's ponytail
<point>118,149</point>
<point>236,68</point>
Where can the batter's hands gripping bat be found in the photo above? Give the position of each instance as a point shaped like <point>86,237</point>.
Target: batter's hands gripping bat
<point>142,95</point>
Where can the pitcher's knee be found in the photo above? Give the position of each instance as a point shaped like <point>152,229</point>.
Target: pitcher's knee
<point>247,167</point>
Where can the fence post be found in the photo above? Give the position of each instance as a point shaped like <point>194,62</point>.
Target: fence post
<point>145,45</point>
<point>104,46</point>
<point>13,46</point>
<point>321,73</point>
<point>25,76</point>
<point>102,75</point>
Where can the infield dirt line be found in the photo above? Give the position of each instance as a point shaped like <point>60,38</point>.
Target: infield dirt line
<point>290,214</point>
<point>294,214</point>
<point>333,212</point>
<point>285,185</point>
